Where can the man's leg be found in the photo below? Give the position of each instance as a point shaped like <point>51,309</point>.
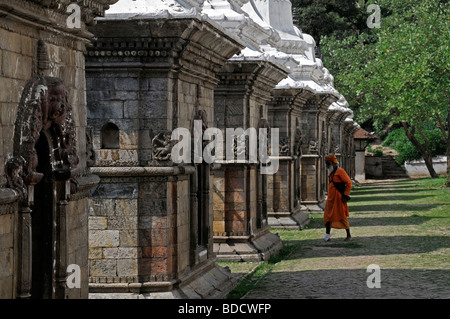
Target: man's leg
<point>348,234</point>
<point>328,228</point>
<point>327,231</point>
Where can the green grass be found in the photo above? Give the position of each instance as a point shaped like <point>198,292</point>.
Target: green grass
<point>401,225</point>
<point>257,273</point>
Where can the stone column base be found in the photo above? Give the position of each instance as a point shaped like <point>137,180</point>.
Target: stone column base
<point>210,281</point>
<point>313,207</point>
<point>247,248</point>
<point>288,220</point>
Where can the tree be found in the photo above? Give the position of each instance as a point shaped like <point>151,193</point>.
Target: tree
<point>326,17</point>
<point>398,73</point>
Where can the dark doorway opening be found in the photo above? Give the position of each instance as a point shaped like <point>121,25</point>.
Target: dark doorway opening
<point>42,225</point>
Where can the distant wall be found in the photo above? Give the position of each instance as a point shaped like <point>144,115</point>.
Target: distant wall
<point>373,167</point>
<point>418,168</point>
<point>360,172</point>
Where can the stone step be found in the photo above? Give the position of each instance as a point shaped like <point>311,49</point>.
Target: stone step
<point>391,169</point>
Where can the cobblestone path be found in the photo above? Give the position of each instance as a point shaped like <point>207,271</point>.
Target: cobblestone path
<point>400,226</point>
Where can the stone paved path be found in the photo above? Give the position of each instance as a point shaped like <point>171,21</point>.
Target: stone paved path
<point>410,243</point>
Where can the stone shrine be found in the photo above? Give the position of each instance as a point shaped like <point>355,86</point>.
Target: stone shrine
<point>108,111</point>
<point>151,70</point>
<point>45,185</point>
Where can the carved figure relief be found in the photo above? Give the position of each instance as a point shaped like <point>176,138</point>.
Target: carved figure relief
<point>284,146</point>
<point>14,175</point>
<point>324,144</point>
<point>43,107</point>
<point>298,141</point>
<point>162,146</point>
<point>265,138</point>
<point>313,145</point>
<point>201,115</point>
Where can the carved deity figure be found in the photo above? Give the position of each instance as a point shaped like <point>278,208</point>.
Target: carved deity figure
<point>162,146</point>
<point>284,146</point>
<point>14,175</point>
<point>298,141</point>
<point>313,145</point>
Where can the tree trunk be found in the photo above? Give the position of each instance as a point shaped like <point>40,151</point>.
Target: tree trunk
<point>448,147</point>
<point>423,150</point>
<point>448,159</point>
<point>446,136</point>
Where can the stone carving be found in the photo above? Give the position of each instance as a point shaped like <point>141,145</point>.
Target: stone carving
<point>43,107</point>
<point>337,150</point>
<point>324,144</point>
<point>90,154</point>
<point>284,146</point>
<point>298,141</point>
<point>14,175</point>
<point>200,114</point>
<point>264,124</point>
<point>332,146</point>
<point>313,146</point>
<point>162,146</point>
<point>240,145</point>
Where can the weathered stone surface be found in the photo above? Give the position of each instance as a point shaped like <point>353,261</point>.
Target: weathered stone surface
<point>103,238</point>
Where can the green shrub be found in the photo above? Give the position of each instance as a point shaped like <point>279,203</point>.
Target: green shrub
<point>376,152</point>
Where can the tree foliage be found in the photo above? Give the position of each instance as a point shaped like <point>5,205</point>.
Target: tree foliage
<point>398,73</point>
<point>397,140</point>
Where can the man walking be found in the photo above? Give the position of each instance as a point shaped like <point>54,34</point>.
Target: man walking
<point>339,187</point>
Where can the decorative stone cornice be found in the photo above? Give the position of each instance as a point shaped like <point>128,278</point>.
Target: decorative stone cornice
<point>142,171</point>
<point>53,15</point>
<point>184,44</point>
<point>247,73</point>
<point>156,9</point>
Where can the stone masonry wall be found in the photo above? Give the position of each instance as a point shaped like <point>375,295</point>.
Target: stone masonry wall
<point>7,278</point>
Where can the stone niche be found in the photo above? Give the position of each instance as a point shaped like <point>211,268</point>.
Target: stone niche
<point>44,189</point>
<point>150,227</point>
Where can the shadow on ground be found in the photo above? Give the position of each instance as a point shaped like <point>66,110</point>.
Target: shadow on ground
<point>352,284</point>
<point>368,246</point>
<point>377,221</point>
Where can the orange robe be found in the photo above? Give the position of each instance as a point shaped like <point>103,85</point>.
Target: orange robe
<point>336,211</point>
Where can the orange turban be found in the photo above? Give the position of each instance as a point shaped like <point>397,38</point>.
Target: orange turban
<point>331,158</point>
